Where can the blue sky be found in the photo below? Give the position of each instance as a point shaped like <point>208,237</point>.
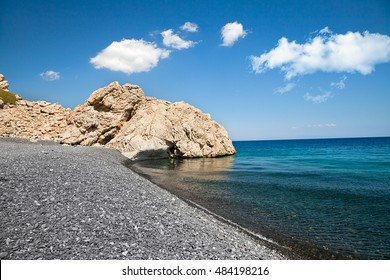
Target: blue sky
<point>263,69</point>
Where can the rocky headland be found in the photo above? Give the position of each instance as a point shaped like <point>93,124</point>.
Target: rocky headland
<point>119,117</point>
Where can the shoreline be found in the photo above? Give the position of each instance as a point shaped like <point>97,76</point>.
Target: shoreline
<point>291,248</point>
<point>263,240</point>
<point>75,202</point>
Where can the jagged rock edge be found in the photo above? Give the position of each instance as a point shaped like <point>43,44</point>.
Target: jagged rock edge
<point>119,112</point>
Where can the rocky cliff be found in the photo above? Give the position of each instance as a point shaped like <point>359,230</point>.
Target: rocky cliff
<point>121,117</point>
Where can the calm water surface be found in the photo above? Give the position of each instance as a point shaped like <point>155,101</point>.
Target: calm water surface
<point>327,198</point>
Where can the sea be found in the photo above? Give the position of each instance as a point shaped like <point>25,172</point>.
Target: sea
<point>319,198</point>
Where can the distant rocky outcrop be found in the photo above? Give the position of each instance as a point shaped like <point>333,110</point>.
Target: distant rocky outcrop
<point>121,117</point>
<point>3,83</point>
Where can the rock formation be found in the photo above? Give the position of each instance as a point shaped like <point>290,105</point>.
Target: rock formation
<point>121,117</point>
<point>33,120</point>
<point>3,83</point>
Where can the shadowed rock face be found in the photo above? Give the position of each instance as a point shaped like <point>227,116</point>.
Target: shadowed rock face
<point>121,117</point>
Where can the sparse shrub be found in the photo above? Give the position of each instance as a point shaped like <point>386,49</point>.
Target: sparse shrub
<point>7,97</point>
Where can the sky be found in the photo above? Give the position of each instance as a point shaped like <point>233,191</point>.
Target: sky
<point>262,69</point>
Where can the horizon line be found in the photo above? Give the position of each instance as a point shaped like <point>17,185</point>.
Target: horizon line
<point>314,138</point>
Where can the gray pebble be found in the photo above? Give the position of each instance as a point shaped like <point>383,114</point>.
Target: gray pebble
<point>104,211</point>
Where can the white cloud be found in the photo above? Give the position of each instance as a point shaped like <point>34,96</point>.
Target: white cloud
<point>288,87</point>
<point>231,32</point>
<point>318,98</point>
<point>322,125</point>
<point>174,41</point>
<point>189,26</point>
<point>129,56</point>
<point>327,52</point>
<point>340,84</point>
<point>50,75</point>
<point>325,30</point>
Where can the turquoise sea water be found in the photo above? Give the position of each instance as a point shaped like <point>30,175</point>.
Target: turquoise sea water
<point>327,198</point>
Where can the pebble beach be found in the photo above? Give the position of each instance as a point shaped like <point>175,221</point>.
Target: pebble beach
<point>75,202</point>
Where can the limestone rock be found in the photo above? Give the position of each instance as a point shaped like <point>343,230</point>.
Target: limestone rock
<point>121,117</point>
<point>160,128</point>
<point>3,83</point>
<point>115,98</point>
<point>33,120</point>
<point>102,115</point>
<point>39,120</point>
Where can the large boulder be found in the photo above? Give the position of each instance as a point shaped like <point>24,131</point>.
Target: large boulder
<point>102,116</point>
<point>121,117</point>
<point>160,128</point>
